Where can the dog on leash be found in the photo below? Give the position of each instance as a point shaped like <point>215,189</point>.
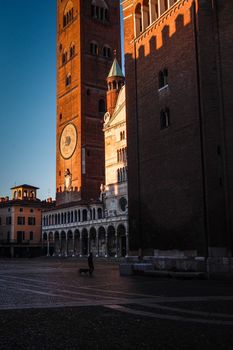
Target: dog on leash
<point>84,271</point>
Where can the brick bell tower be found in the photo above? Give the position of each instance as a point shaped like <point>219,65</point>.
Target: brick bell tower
<point>87,33</point>
<point>115,81</point>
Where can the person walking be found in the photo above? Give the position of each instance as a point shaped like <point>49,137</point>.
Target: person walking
<point>90,263</point>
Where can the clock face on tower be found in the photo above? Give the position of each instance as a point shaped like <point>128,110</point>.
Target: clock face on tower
<point>68,141</point>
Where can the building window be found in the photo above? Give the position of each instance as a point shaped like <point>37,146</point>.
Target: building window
<point>164,118</point>
<point>138,20</point>
<point>31,221</point>
<point>20,236</point>
<point>21,220</point>
<point>84,215</point>
<point>72,51</point>
<point>99,213</point>
<point>122,135</point>
<point>94,48</point>
<point>100,12</point>
<point>21,209</point>
<point>68,80</point>
<point>107,52</point>
<point>31,236</point>
<point>123,203</point>
<point>68,17</point>
<point>163,78</point>
<point>8,220</point>
<point>31,210</point>
<point>64,57</point>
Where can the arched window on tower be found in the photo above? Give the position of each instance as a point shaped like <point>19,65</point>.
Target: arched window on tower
<point>64,57</point>
<point>72,50</point>
<point>94,48</point>
<point>99,10</point>
<point>163,6</point>
<point>154,10</point>
<point>107,51</point>
<point>146,14</point>
<point>138,20</point>
<point>163,78</point>
<point>164,118</point>
<point>68,15</point>
<point>68,79</point>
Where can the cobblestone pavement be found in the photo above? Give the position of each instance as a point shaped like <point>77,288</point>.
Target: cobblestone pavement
<point>47,304</point>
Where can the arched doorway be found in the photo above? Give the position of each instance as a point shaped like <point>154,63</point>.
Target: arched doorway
<point>84,242</point>
<point>63,243</point>
<point>111,244</point>
<point>92,242</point>
<point>121,237</point>
<point>56,244</point>
<point>102,241</point>
<point>77,243</point>
<point>70,245</point>
<point>51,244</point>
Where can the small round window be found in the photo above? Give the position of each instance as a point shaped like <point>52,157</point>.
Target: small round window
<point>123,203</point>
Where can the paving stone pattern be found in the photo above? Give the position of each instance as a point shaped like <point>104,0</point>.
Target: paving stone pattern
<point>47,304</point>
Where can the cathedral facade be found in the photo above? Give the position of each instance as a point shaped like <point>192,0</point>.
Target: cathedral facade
<point>178,60</point>
<point>91,155</point>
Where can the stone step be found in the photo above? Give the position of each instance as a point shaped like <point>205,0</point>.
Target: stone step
<point>176,274</point>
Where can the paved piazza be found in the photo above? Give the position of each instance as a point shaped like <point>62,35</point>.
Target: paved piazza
<point>47,304</point>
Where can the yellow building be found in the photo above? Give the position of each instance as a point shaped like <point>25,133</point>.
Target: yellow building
<point>20,222</point>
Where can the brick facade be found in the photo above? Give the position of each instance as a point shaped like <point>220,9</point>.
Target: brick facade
<point>81,101</point>
<point>180,176</point>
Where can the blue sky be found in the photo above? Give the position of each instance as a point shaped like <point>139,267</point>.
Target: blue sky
<point>28,95</point>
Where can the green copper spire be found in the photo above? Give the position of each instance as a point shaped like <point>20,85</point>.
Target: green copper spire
<point>115,71</point>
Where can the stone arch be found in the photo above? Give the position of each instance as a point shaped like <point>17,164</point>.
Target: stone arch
<point>63,243</point>
<point>93,241</point>
<point>84,241</point>
<point>111,244</point>
<point>70,246</point>
<point>77,247</point>
<point>57,245</point>
<point>121,238</point>
<point>102,241</point>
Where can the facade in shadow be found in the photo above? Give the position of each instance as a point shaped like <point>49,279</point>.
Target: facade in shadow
<point>178,62</point>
